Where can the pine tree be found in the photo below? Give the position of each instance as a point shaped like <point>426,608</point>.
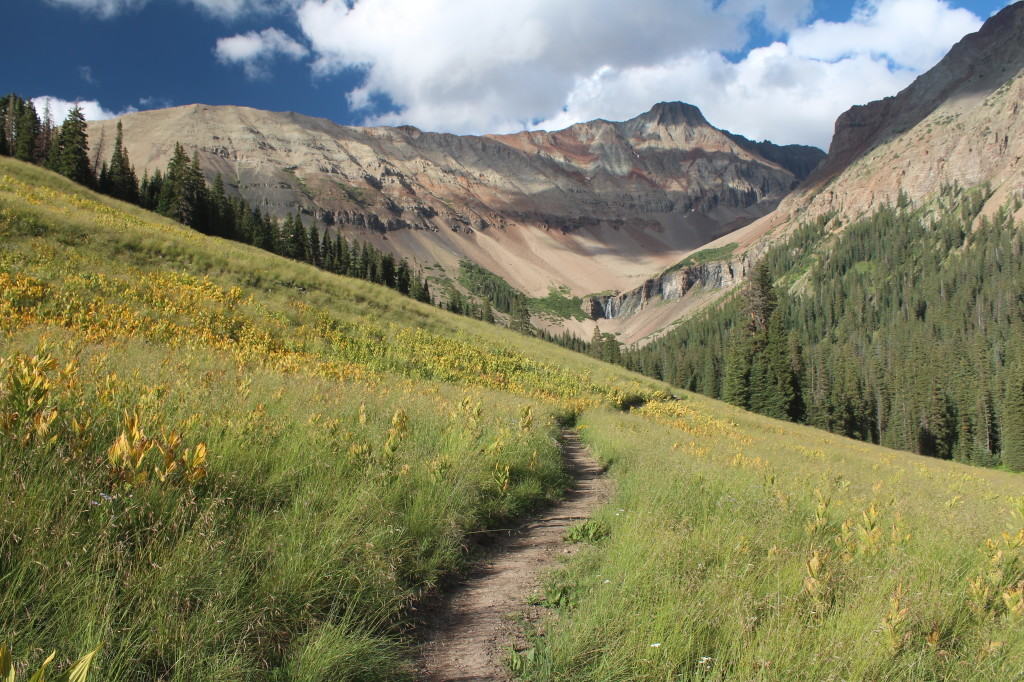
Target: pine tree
<point>342,266</point>
<point>328,255</point>
<point>596,349</point>
<point>520,318</point>
<point>73,144</point>
<point>486,313</point>
<point>220,214</point>
<point>197,195</point>
<point>738,361</point>
<point>313,244</point>
<point>5,148</point>
<point>123,184</point>
<point>1012,430</point>
<point>296,239</point>
<point>46,138</point>
<point>175,202</point>
<point>27,132</point>
<point>403,276</point>
<point>611,350</point>
<point>422,293</point>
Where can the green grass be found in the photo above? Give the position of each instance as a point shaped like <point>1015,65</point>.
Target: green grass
<point>559,304</point>
<point>705,573</point>
<point>356,438</point>
<point>704,256</point>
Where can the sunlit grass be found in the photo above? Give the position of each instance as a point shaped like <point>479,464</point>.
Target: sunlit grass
<point>224,465</point>
<point>745,548</point>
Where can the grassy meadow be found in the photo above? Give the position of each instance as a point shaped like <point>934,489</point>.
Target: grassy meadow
<point>743,548</point>
<point>218,464</point>
<point>222,465</point>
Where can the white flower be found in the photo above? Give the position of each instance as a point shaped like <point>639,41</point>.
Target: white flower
<point>656,645</point>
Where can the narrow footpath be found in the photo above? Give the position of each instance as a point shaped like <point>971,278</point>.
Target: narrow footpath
<point>466,638</point>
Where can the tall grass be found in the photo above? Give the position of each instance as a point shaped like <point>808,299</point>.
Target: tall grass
<point>224,465</point>
<point>745,548</point>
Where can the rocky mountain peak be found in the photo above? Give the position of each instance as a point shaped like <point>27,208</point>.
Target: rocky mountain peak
<point>977,66</point>
<point>671,114</point>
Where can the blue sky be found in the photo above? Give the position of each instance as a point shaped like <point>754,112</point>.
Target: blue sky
<point>781,69</point>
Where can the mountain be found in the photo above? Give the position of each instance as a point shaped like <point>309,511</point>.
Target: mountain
<point>222,464</point>
<point>597,206</point>
<point>887,303</point>
<point>961,122</point>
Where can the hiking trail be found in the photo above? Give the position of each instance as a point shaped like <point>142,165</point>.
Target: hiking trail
<point>467,637</point>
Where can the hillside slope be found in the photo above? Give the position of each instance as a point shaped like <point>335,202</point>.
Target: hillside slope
<point>961,122</point>
<point>225,465</point>
<point>596,206</point>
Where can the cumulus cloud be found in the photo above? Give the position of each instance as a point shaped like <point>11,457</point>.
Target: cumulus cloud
<point>255,50</point>
<point>467,66</point>
<point>59,108</point>
<point>913,33</point>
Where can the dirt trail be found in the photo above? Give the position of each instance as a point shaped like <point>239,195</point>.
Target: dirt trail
<point>465,639</point>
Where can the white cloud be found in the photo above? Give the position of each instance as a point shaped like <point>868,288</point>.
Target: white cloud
<point>59,109</point>
<point>466,65</point>
<point>102,8</point>
<point>913,33</point>
<point>470,66</point>
<point>255,50</point>
<point>222,9</point>
<point>232,9</point>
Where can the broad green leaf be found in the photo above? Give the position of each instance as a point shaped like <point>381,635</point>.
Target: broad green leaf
<point>40,675</point>
<point>6,664</point>
<point>80,670</point>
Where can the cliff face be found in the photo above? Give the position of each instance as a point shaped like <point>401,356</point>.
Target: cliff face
<point>596,206</point>
<point>960,122</point>
<point>668,286</point>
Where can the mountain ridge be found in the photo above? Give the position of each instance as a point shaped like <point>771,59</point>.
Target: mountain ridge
<point>958,123</point>
<point>593,207</point>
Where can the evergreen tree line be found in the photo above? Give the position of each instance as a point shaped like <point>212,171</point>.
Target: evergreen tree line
<point>27,136</point>
<point>182,193</point>
<point>904,329</point>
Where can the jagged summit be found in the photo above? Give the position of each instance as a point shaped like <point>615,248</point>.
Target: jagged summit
<point>674,114</point>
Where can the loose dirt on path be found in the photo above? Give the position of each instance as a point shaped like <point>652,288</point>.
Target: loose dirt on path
<point>465,639</point>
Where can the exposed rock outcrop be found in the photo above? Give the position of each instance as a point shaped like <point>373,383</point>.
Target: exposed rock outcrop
<point>596,206</point>
<point>668,286</point>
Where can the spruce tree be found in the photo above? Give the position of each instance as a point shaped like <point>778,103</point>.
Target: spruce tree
<point>27,133</point>
<point>297,247</point>
<point>1012,430</point>
<point>123,184</point>
<point>73,153</point>
<point>313,244</point>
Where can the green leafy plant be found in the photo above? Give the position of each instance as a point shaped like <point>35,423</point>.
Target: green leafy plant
<point>78,672</point>
<point>589,531</point>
